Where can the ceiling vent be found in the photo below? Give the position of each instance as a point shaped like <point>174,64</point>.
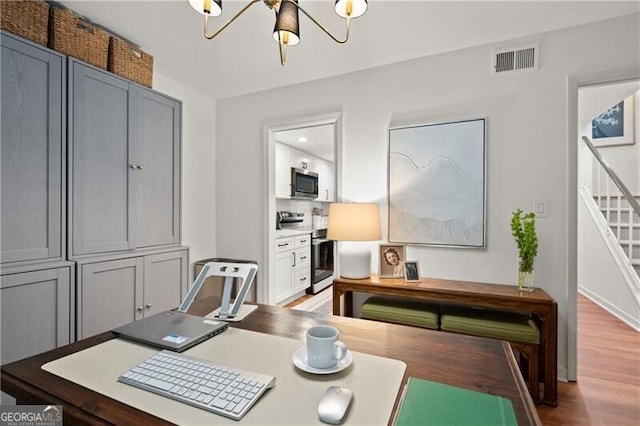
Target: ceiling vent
<point>515,60</point>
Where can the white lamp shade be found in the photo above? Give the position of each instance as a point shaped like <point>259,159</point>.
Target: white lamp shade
<point>215,6</point>
<point>354,222</point>
<point>350,8</point>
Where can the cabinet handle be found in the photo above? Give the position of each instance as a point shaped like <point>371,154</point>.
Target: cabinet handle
<point>294,259</point>
<point>140,167</point>
<point>303,241</point>
<point>326,194</point>
<point>133,166</point>
<point>148,306</point>
<point>140,309</point>
<point>303,257</point>
<point>303,279</point>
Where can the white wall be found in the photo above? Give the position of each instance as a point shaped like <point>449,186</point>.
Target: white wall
<point>527,146</point>
<point>198,168</point>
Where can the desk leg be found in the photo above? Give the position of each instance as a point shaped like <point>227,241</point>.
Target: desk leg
<point>550,348</point>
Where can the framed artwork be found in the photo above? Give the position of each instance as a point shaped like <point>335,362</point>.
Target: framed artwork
<point>614,126</point>
<point>411,271</point>
<point>392,258</point>
<point>437,184</point>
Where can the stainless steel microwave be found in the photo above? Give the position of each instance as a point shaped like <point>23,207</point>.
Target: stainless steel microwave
<point>304,184</point>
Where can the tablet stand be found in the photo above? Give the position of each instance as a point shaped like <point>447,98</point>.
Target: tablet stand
<point>229,271</point>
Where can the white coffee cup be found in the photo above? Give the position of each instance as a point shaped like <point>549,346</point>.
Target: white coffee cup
<point>324,349</point>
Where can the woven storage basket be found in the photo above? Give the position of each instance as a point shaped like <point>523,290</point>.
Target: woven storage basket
<point>73,36</point>
<point>130,62</point>
<point>27,18</point>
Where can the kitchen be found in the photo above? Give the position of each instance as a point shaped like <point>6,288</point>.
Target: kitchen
<point>305,177</point>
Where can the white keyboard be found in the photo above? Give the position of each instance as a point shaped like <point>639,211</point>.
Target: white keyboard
<point>220,389</point>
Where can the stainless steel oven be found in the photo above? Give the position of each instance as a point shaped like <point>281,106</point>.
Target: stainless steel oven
<point>322,265</point>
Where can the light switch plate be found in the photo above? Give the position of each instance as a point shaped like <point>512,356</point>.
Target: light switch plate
<point>541,208</point>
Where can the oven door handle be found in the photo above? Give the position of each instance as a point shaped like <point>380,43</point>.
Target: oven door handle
<point>318,241</point>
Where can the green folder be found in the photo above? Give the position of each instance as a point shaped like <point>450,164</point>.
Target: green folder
<point>430,403</point>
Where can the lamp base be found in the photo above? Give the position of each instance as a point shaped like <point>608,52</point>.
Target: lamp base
<point>355,263</point>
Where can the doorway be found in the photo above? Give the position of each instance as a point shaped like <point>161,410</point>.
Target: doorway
<point>288,132</point>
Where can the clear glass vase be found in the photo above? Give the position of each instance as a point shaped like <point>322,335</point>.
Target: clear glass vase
<point>526,280</point>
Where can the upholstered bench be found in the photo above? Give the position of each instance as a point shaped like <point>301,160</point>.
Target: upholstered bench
<point>401,311</point>
<point>517,329</point>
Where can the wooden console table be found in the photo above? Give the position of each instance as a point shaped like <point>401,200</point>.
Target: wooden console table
<point>496,296</point>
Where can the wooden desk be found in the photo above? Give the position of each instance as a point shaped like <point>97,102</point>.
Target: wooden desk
<point>428,354</point>
<point>496,296</point>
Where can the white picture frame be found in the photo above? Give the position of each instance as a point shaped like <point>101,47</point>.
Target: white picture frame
<point>411,271</point>
<point>614,127</point>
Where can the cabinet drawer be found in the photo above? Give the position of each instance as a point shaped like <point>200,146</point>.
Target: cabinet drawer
<point>284,244</point>
<point>303,258</point>
<point>302,279</point>
<point>302,241</point>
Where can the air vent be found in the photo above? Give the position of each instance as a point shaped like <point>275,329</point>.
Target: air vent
<point>517,60</point>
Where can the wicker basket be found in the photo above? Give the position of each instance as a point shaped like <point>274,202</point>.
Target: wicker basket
<point>71,35</point>
<point>130,62</point>
<point>27,18</point>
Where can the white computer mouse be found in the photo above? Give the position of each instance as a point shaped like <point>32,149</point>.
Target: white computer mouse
<point>334,404</point>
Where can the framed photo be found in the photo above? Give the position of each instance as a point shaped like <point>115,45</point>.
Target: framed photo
<point>437,184</point>
<point>392,258</point>
<point>411,271</point>
<point>615,125</point>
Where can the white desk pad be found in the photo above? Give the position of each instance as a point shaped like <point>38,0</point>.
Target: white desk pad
<point>292,401</point>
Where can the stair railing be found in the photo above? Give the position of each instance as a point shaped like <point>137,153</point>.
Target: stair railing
<point>607,196</point>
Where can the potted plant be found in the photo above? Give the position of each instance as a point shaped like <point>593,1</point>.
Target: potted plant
<point>523,228</point>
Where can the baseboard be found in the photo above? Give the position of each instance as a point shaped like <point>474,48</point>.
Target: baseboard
<point>613,310</point>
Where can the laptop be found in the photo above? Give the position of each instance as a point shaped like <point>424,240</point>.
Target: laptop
<point>172,330</point>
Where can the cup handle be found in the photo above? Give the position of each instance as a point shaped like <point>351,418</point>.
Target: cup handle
<point>341,350</point>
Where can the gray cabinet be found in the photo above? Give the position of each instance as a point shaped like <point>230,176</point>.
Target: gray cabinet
<point>33,152</point>
<point>125,171</point>
<point>36,314</point>
<point>119,291</point>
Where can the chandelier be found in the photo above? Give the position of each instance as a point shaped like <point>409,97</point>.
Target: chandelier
<point>286,31</point>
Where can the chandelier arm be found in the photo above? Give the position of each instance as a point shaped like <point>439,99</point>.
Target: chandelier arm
<point>206,20</point>
<point>319,25</point>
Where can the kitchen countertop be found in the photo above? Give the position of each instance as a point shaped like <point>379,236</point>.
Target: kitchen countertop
<point>292,232</point>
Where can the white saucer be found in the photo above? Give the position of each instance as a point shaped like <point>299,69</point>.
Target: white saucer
<point>300,361</point>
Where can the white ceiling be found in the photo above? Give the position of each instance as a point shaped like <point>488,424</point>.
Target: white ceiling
<point>244,57</point>
<point>319,140</point>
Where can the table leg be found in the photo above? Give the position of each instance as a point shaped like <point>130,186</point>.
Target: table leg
<point>348,304</point>
<point>550,359</point>
<point>336,300</point>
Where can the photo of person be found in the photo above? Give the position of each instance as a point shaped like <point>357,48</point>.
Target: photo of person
<point>391,261</point>
<point>411,272</point>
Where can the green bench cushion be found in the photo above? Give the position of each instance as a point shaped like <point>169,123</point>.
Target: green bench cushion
<point>407,312</point>
<point>487,323</point>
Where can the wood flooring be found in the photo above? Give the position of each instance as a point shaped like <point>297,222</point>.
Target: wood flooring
<point>607,391</point>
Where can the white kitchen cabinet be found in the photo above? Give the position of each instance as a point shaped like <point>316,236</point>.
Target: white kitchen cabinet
<point>293,266</point>
<point>326,180</point>
<point>283,171</point>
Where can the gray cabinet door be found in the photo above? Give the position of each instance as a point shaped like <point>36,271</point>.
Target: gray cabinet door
<point>158,182</point>
<point>109,295</point>
<point>165,281</point>
<point>35,312</point>
<point>32,156</point>
<point>102,162</point>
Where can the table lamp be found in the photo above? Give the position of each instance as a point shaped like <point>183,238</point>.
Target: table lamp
<point>354,222</point>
